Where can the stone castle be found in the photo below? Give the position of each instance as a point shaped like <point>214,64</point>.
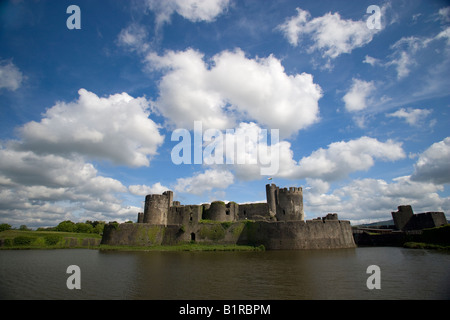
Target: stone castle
<point>278,223</point>
<point>282,205</point>
<point>406,220</point>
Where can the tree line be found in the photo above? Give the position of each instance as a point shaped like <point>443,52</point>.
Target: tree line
<point>66,226</point>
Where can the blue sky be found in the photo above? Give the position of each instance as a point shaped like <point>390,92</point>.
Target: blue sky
<point>87,114</point>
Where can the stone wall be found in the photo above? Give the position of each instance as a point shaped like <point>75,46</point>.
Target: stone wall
<point>184,214</point>
<point>254,211</point>
<point>286,235</point>
<point>405,219</point>
<point>294,235</point>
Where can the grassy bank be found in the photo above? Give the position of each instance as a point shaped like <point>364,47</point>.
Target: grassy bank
<point>423,245</point>
<point>433,238</point>
<point>18,239</point>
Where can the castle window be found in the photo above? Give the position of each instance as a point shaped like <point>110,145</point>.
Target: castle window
<point>192,236</point>
<point>284,211</point>
<point>227,212</point>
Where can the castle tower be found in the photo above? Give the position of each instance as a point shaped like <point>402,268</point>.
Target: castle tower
<point>271,197</point>
<point>157,207</point>
<point>290,204</point>
<point>285,204</point>
<point>402,216</point>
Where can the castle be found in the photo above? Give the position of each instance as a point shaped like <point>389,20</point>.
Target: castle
<point>282,205</point>
<point>278,223</point>
<point>406,220</point>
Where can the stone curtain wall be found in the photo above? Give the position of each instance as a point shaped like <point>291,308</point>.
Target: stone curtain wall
<point>311,234</point>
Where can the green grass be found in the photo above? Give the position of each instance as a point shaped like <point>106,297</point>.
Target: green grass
<point>18,239</point>
<point>423,245</point>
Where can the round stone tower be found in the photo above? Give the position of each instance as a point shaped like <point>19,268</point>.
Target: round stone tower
<point>290,204</point>
<point>157,207</point>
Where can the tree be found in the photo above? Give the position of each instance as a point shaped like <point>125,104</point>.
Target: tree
<point>4,227</point>
<point>82,227</point>
<point>66,226</point>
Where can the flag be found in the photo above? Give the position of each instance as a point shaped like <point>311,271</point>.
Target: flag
<point>269,178</point>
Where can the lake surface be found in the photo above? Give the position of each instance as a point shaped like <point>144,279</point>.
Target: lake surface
<point>286,275</point>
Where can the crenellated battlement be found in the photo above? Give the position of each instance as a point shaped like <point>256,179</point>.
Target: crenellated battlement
<point>283,204</point>
<point>291,190</point>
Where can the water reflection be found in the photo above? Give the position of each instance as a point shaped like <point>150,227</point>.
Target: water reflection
<point>310,274</point>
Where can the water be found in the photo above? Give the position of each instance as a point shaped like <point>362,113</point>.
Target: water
<point>315,274</point>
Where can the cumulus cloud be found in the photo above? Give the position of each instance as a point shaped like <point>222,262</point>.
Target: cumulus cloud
<point>231,86</point>
<point>45,175</point>
<point>433,164</point>
<point>330,34</point>
<point>200,183</point>
<point>412,116</point>
<point>357,97</point>
<point>10,76</point>
<point>116,128</point>
<point>342,158</point>
<point>329,164</point>
<point>143,190</point>
<point>41,190</point>
<point>192,10</point>
<point>369,200</point>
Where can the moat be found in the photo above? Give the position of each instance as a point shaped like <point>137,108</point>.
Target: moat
<point>280,274</point>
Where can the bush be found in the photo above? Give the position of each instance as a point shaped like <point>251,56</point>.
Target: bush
<point>22,241</point>
<point>52,239</point>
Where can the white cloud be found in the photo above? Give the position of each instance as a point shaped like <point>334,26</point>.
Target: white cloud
<point>444,14</point>
<point>192,10</point>
<point>42,190</point>
<point>413,117</point>
<point>370,60</point>
<point>406,50</point>
<point>200,183</point>
<point>134,37</point>
<point>10,76</point>
<point>330,34</point>
<point>369,200</point>
<point>444,34</point>
<point>116,128</point>
<point>433,164</point>
<point>334,163</point>
<point>45,177</point>
<point>356,98</point>
<point>143,190</point>
<point>234,86</point>
<point>342,158</point>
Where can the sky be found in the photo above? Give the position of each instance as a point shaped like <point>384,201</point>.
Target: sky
<point>113,100</point>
